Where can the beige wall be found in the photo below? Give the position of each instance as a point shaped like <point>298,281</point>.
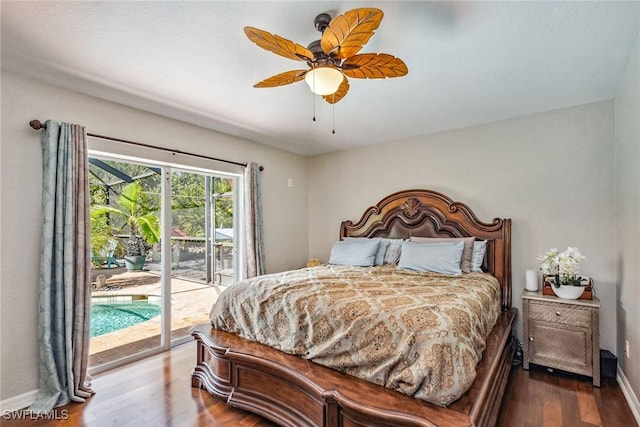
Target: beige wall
<point>627,158</point>
<point>552,173</point>
<point>285,208</point>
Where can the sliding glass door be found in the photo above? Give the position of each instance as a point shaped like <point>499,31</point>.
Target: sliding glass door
<point>202,242</point>
<point>163,244</point>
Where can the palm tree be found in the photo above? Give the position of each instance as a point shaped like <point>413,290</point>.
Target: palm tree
<point>144,226</point>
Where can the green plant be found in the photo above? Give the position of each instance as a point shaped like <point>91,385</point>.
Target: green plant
<point>100,232</point>
<point>188,203</point>
<point>132,205</point>
<point>101,235</point>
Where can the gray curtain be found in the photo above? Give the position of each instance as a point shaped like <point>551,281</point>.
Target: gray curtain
<point>65,288</point>
<point>255,265</point>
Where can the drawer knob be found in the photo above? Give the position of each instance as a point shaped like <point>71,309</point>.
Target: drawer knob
<point>557,313</point>
<point>530,338</point>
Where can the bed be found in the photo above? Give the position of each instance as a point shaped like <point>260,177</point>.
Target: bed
<point>292,390</point>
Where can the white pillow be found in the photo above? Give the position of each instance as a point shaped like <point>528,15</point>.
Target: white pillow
<point>382,247</point>
<point>477,257</point>
<point>392,255</point>
<point>435,257</point>
<point>355,252</point>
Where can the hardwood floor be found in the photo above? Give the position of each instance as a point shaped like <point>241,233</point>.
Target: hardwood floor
<point>537,398</point>
<point>157,392</point>
<point>152,392</point>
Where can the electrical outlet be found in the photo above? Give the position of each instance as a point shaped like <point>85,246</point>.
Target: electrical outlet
<point>626,349</point>
<point>290,182</point>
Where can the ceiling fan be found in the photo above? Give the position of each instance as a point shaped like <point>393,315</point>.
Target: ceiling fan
<point>334,57</point>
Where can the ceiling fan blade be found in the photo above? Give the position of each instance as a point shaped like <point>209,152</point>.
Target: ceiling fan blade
<point>282,79</point>
<point>346,34</point>
<point>278,45</point>
<point>339,94</point>
<point>374,66</point>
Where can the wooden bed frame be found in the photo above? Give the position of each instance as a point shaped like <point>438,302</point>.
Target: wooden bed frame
<point>292,391</point>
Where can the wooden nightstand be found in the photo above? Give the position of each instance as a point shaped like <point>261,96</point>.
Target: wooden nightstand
<point>562,334</point>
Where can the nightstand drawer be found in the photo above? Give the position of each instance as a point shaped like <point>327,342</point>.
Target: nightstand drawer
<point>560,313</point>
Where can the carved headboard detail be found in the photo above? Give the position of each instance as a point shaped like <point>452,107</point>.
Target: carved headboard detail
<point>432,214</point>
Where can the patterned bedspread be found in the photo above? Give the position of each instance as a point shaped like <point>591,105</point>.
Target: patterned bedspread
<point>421,334</point>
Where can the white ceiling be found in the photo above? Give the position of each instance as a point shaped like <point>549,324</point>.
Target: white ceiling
<point>469,63</point>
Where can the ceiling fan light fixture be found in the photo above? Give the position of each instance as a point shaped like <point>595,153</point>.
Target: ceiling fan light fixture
<point>324,80</point>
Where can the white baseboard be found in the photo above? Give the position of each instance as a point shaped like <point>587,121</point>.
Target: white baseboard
<point>18,402</point>
<point>631,397</point>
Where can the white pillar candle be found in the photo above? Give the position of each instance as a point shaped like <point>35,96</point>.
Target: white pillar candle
<point>531,280</point>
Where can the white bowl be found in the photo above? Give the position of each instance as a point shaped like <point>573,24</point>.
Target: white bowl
<point>568,292</point>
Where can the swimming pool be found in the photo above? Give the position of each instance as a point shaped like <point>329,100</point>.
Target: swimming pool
<point>112,313</point>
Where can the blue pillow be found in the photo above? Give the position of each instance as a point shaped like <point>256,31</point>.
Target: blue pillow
<point>382,247</point>
<point>355,252</point>
<point>435,257</point>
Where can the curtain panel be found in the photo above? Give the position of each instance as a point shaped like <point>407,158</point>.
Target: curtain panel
<point>65,284</point>
<point>255,260</point>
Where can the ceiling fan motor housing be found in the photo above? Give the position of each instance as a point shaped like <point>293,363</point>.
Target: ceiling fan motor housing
<point>320,58</point>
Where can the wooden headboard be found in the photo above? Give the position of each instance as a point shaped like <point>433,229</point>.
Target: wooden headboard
<point>431,214</point>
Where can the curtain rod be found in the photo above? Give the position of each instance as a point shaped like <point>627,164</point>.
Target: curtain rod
<point>38,125</point>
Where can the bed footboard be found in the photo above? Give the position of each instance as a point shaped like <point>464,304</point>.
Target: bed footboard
<point>292,391</point>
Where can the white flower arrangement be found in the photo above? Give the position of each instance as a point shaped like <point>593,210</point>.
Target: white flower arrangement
<point>563,265</point>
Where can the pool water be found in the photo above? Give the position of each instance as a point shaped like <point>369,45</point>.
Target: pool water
<point>108,315</point>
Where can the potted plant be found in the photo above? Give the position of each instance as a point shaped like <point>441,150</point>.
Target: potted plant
<point>144,226</point>
<point>564,266</point>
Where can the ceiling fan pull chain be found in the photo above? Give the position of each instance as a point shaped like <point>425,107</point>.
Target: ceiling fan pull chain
<point>314,97</point>
<point>314,106</point>
<point>333,116</point>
